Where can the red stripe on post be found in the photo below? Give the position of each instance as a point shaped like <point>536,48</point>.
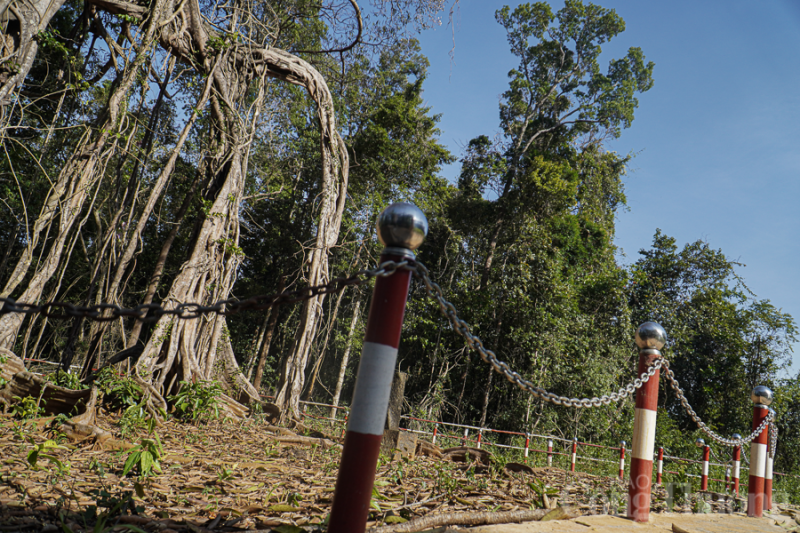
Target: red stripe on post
<point>354,484</point>
<point>639,489</point>
<point>388,306</point>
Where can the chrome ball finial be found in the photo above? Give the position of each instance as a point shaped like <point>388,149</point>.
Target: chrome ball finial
<point>699,443</point>
<point>622,443</point>
<point>650,335</point>
<point>736,436</point>
<point>402,225</point>
<point>761,395</point>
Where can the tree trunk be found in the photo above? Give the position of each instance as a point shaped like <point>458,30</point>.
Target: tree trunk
<point>345,358</point>
<point>265,344</point>
<point>79,175</point>
<point>323,348</point>
<point>486,394</point>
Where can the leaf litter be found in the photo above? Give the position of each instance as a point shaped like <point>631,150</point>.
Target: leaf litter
<point>250,476</point>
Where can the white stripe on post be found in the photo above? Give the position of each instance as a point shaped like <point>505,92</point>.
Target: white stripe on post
<point>758,459</point>
<point>371,395</point>
<point>549,452</point>
<point>644,435</point>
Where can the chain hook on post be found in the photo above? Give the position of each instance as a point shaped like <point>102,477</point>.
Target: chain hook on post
<point>401,229</point>
<point>762,397</point>
<point>650,338</point>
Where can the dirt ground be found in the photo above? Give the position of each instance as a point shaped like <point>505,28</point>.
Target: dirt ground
<point>256,477</point>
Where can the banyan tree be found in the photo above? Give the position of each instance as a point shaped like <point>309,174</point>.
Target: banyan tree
<point>86,90</point>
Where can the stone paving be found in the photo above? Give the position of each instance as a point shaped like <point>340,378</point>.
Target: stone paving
<point>659,522</point>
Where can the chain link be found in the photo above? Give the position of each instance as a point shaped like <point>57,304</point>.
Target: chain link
<point>488,356</point>
<point>773,439</point>
<point>702,425</point>
<point>105,312</point>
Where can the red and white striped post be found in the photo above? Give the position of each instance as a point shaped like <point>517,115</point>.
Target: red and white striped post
<point>480,437</point>
<point>549,452</point>
<point>727,478</point>
<point>464,439</point>
<point>650,338</point>
<point>737,464</point>
<point>762,397</point>
<point>527,445</point>
<point>660,470</point>
<point>768,471</point>
<point>706,457</point>
<point>401,228</point>
<point>574,454</point>
<point>622,460</point>
<point>435,432</point>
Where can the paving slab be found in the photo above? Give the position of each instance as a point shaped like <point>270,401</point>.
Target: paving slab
<point>659,523</point>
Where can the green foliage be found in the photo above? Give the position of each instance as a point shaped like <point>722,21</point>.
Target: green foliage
<point>41,451</point>
<point>145,457</point>
<point>723,341</point>
<point>67,380</point>
<point>121,392</point>
<point>27,408</point>
<point>197,401</point>
<point>134,418</point>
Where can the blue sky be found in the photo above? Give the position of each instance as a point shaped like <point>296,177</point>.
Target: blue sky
<point>717,139</point>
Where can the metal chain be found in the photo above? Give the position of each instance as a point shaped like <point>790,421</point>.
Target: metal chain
<point>700,424</point>
<point>488,356</point>
<point>105,312</point>
<point>773,439</point>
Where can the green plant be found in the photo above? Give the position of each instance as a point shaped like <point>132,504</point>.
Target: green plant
<point>97,467</point>
<point>27,408</point>
<point>66,380</point>
<point>120,391</point>
<point>40,451</point>
<point>197,401</point>
<point>543,491</point>
<point>134,418</point>
<point>225,474</point>
<point>145,456</point>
